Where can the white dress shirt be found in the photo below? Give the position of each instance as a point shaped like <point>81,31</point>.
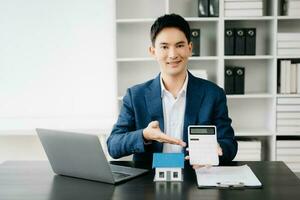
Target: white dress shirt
<point>173,111</point>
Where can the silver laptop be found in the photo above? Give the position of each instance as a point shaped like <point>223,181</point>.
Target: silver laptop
<point>81,155</point>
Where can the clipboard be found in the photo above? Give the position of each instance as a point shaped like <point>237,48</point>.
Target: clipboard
<point>236,177</point>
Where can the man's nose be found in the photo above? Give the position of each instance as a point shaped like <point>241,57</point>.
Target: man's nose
<point>173,53</point>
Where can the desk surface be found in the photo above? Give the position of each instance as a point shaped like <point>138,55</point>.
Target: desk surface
<point>35,180</point>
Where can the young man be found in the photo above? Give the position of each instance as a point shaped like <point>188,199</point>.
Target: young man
<point>155,115</point>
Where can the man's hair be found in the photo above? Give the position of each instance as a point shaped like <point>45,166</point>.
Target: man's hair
<point>168,21</point>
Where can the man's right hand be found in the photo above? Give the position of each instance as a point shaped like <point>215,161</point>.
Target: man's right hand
<point>153,132</point>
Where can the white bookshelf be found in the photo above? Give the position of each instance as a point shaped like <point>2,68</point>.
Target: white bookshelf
<point>253,114</point>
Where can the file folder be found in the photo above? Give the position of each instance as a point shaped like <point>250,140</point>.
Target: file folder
<point>239,80</point>
<point>227,177</point>
<point>195,39</point>
<point>229,41</point>
<point>240,39</point>
<point>250,41</point>
<point>203,8</point>
<point>229,80</point>
<point>214,8</point>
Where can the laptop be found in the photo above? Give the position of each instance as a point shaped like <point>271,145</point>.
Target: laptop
<point>80,155</point>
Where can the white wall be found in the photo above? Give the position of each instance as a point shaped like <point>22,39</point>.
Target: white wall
<point>57,70</point>
<point>57,64</point>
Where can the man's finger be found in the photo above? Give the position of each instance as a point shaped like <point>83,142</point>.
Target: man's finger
<point>187,157</point>
<point>154,124</point>
<point>168,139</point>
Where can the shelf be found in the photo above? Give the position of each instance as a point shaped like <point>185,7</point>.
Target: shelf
<point>288,17</point>
<point>250,96</point>
<point>288,134</point>
<point>288,95</point>
<point>253,132</point>
<point>254,57</point>
<point>288,57</point>
<point>263,18</point>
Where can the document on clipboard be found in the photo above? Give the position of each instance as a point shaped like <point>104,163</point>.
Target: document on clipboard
<point>227,177</point>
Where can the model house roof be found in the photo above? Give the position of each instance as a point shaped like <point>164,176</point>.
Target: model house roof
<point>168,160</point>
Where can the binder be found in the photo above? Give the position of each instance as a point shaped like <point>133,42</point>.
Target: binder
<point>240,40</point>
<point>227,177</point>
<point>250,41</point>
<point>195,39</point>
<point>229,41</point>
<point>229,80</point>
<point>239,80</point>
<point>214,8</point>
<point>203,8</point>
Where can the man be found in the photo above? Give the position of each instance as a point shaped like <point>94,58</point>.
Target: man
<point>155,115</point>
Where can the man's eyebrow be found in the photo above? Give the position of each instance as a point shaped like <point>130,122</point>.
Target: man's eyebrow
<point>163,43</point>
<point>181,42</point>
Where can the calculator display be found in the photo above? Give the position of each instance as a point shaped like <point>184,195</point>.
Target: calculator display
<point>202,131</point>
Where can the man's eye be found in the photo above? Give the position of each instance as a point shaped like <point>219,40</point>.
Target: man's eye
<point>164,47</point>
<point>180,45</point>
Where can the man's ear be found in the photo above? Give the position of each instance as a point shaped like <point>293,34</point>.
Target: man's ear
<point>190,48</point>
<point>152,51</point>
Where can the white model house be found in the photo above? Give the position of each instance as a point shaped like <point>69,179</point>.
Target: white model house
<point>168,166</point>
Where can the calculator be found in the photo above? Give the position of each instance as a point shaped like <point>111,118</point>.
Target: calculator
<point>203,145</point>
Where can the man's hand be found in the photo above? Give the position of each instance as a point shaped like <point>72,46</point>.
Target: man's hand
<point>153,132</point>
<point>220,153</point>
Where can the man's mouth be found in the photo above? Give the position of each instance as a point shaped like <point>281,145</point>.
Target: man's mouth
<point>174,63</point>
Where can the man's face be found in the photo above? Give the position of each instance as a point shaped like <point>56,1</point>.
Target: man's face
<point>171,50</point>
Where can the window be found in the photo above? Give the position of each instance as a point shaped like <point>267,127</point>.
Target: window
<point>175,174</point>
<point>161,174</point>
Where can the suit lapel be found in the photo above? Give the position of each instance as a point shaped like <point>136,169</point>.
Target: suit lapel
<point>154,106</point>
<point>194,99</point>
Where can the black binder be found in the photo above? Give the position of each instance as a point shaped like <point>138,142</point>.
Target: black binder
<point>250,41</point>
<point>214,8</point>
<point>239,80</point>
<point>203,8</point>
<point>240,40</point>
<point>195,39</point>
<point>229,41</point>
<point>229,80</point>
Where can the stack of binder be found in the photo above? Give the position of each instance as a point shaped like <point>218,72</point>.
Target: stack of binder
<point>288,44</point>
<point>289,152</point>
<point>290,7</point>
<point>240,41</point>
<point>243,8</point>
<point>208,8</point>
<point>288,115</point>
<point>248,151</point>
<point>234,80</point>
<point>289,76</point>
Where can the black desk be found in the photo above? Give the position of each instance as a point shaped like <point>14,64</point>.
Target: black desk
<point>35,180</point>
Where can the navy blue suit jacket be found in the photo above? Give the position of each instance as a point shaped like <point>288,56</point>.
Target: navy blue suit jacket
<point>205,105</point>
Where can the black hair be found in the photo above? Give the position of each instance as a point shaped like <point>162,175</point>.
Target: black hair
<point>170,20</point>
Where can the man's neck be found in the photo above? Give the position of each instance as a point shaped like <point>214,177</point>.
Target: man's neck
<point>174,83</point>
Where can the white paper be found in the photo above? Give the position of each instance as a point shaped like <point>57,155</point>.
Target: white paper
<point>235,175</point>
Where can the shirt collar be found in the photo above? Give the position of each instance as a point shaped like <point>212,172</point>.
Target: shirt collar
<point>182,91</point>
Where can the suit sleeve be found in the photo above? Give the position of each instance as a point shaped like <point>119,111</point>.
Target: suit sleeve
<point>225,133</point>
<point>124,138</point>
